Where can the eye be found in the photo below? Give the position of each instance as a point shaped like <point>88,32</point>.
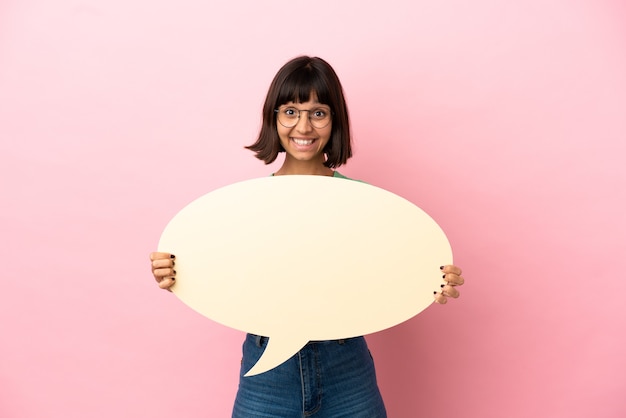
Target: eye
<point>290,111</point>
<point>319,114</point>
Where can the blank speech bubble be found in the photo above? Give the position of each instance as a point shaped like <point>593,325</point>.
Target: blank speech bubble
<point>305,258</point>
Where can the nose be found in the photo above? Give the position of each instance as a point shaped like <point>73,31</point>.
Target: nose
<point>304,124</point>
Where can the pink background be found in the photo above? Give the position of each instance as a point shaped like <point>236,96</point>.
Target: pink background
<point>503,120</point>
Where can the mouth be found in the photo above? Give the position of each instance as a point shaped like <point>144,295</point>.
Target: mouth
<point>302,142</point>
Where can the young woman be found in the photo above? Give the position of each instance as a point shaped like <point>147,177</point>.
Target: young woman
<point>305,116</point>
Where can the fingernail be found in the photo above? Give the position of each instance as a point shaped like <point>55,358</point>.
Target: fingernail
<point>443,277</point>
<point>435,292</point>
<point>174,271</point>
<point>172,256</point>
<point>440,267</point>
<point>442,285</point>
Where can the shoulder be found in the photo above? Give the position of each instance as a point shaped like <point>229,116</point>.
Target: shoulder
<point>338,175</point>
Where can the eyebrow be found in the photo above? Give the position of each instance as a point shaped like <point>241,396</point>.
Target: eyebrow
<point>315,105</point>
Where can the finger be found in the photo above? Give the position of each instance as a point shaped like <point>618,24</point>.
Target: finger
<point>450,291</point>
<point>454,279</point>
<point>163,263</point>
<point>162,273</point>
<point>167,283</point>
<point>158,256</point>
<point>440,298</point>
<point>451,269</point>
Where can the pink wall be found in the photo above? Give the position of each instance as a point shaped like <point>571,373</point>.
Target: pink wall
<point>503,120</point>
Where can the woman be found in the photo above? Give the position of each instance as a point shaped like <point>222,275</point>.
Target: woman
<point>305,116</point>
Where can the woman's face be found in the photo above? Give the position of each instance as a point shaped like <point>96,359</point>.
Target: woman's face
<point>304,141</point>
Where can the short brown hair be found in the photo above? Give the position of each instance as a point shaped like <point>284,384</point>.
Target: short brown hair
<point>294,82</point>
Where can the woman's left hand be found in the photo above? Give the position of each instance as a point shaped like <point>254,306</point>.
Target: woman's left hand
<point>452,277</point>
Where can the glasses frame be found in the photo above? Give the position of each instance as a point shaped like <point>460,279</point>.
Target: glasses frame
<point>330,119</point>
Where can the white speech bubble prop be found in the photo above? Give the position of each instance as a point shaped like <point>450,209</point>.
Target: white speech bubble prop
<point>305,258</point>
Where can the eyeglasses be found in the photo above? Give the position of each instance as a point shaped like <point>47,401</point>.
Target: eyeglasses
<point>289,116</point>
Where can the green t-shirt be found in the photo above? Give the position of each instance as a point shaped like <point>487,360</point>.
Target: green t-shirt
<point>335,174</point>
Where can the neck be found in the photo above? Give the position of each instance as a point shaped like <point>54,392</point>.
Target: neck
<point>291,166</point>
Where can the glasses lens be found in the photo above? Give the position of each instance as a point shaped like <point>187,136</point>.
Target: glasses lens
<point>320,118</point>
<point>288,116</point>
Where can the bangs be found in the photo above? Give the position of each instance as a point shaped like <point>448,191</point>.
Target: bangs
<point>299,85</point>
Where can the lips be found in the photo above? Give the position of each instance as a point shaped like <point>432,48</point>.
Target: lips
<point>302,142</point>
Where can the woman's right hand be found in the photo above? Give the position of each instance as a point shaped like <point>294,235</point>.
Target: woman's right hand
<point>163,269</point>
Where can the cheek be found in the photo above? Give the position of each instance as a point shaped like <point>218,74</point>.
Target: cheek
<point>326,134</point>
<point>283,133</point>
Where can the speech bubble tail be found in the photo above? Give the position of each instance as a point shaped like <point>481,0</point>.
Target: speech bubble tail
<point>276,353</point>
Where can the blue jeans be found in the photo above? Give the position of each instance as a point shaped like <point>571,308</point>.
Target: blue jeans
<point>326,379</point>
